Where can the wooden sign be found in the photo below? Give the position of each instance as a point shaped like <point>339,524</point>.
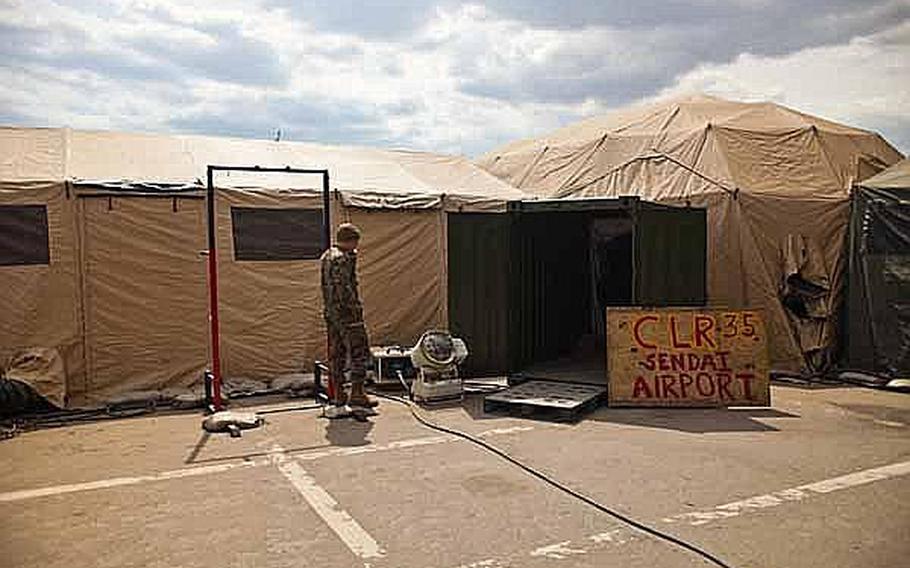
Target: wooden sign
<point>686,357</point>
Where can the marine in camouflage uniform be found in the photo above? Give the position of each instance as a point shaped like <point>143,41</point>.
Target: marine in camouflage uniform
<point>344,317</point>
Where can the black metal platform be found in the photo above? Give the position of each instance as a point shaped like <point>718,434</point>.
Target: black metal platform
<point>547,400</point>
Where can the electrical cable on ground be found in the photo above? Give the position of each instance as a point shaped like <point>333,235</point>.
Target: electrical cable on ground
<point>558,485</point>
<point>58,419</point>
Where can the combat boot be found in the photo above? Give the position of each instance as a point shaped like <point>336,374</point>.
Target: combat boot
<point>339,407</point>
<point>359,397</point>
<point>341,411</point>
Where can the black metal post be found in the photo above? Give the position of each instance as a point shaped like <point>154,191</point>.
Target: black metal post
<point>326,224</point>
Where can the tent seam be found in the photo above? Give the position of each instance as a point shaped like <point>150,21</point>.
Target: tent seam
<point>531,167</point>
<point>664,129</point>
<point>585,161</point>
<point>824,153</point>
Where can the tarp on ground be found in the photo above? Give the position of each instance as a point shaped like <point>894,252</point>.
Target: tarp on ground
<point>123,294</point>
<point>878,317</point>
<point>776,183</point>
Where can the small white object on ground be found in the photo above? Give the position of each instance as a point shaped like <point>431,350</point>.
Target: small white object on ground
<point>342,411</point>
<point>230,421</point>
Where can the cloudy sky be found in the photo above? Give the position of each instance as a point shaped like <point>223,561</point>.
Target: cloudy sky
<point>439,75</point>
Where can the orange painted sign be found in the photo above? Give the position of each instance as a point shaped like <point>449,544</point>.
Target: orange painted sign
<point>686,357</point>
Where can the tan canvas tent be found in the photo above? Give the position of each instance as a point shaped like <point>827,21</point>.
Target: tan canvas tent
<point>776,183</point>
<point>117,304</point>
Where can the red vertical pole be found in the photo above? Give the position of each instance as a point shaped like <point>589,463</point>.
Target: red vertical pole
<point>213,297</point>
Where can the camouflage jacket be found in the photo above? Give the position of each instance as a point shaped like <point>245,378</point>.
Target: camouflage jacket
<point>339,288</point>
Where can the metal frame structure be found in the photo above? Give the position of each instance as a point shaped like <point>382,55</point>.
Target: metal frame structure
<point>213,253</point>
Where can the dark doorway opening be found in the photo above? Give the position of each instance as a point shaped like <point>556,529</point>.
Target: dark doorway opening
<point>529,288</point>
<point>573,266</point>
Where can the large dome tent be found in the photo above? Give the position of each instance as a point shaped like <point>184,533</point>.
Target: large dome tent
<point>776,183</point>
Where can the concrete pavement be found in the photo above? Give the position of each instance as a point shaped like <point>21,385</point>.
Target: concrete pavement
<point>821,479</point>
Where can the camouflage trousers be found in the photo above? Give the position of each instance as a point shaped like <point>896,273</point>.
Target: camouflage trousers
<point>345,342</point>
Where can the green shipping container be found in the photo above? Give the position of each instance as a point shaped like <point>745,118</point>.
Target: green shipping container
<point>528,289</point>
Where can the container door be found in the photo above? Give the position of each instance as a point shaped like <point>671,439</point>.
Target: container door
<point>478,257</point>
<point>670,256</point>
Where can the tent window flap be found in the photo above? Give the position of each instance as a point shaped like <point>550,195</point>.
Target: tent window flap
<point>23,235</point>
<point>276,234</point>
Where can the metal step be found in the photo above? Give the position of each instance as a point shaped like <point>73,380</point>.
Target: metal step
<point>547,400</point>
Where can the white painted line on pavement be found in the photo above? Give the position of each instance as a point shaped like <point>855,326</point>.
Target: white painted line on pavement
<point>889,423</point>
<point>558,551</point>
<point>122,481</point>
<point>561,550</point>
<point>510,430</point>
<point>403,444</point>
<point>489,563</point>
<point>793,494</point>
<point>348,530</point>
<point>620,536</point>
<point>859,478</point>
<point>21,495</point>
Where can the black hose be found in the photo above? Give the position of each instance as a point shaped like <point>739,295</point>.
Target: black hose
<point>404,384</point>
<point>558,485</point>
<point>59,419</point>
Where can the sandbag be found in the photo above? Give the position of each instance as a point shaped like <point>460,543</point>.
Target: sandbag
<point>41,369</point>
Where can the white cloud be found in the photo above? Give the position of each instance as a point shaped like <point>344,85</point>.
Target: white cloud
<point>464,81</point>
<point>865,82</point>
<point>407,91</point>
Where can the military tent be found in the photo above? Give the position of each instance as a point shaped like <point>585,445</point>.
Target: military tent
<point>776,183</point>
<point>102,240</point>
<point>878,317</point>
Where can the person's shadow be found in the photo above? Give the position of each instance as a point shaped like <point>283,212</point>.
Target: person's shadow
<point>348,432</point>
